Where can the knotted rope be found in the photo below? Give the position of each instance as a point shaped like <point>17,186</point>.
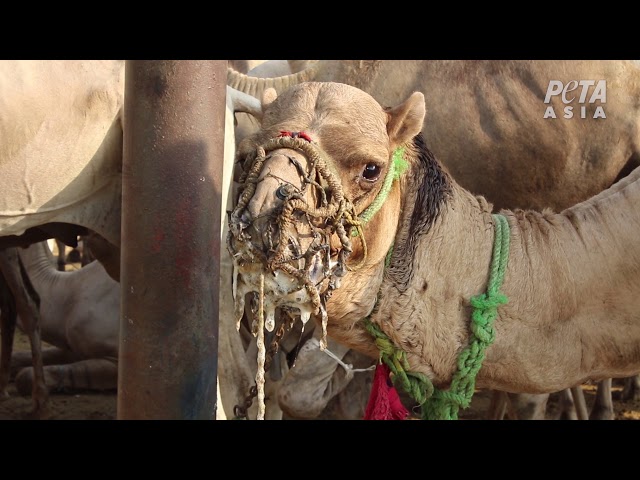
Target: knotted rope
<point>444,404</point>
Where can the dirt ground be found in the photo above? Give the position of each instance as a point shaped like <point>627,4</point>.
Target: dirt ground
<point>102,406</point>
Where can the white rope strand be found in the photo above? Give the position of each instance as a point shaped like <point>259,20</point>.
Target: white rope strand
<point>347,366</point>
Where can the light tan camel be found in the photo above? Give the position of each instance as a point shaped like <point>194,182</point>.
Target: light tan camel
<point>491,111</point>
<point>572,278</point>
<point>79,317</point>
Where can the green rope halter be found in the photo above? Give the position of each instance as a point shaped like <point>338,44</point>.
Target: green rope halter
<point>396,168</point>
<point>444,404</point>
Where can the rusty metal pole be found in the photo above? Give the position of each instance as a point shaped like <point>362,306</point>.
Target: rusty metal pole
<point>172,170</point>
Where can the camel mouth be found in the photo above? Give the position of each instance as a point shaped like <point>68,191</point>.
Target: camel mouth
<point>298,282</point>
<point>279,289</point>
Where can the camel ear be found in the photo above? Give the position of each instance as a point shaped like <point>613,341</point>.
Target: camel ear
<point>405,120</point>
<point>268,96</point>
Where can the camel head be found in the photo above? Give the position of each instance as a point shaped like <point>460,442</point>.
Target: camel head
<point>318,198</point>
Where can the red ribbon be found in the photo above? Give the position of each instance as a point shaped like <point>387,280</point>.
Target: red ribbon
<point>286,133</point>
<point>384,401</point>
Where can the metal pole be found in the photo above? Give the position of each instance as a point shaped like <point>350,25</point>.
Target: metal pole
<point>171,184</point>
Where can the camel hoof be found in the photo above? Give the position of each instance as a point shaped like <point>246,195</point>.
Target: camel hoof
<point>602,414</point>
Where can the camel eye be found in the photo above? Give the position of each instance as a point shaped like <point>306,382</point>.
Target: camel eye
<point>371,172</point>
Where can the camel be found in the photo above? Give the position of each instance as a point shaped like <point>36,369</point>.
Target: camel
<point>79,317</point>
<point>315,389</point>
<point>247,123</point>
<point>491,111</point>
<point>308,233</point>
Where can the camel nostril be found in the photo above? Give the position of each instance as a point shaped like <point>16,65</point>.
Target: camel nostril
<point>285,191</point>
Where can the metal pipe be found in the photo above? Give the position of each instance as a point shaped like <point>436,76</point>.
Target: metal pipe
<point>171,186</point>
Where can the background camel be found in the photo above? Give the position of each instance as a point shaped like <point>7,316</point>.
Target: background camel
<point>79,317</point>
<point>492,111</point>
<point>62,158</point>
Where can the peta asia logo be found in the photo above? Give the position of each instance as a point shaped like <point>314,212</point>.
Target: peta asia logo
<point>577,94</point>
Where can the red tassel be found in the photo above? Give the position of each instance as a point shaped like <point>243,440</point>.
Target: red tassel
<point>384,401</point>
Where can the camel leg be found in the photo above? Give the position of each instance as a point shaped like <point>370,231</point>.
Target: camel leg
<point>8,319</point>
<point>97,374</point>
<point>106,253</point>
<point>603,405</point>
<point>86,257</point>
<point>567,409</point>
<point>351,403</point>
<point>61,260</point>
<point>631,389</point>
<point>519,406</point>
<point>578,399</point>
<point>26,300</point>
<point>50,356</point>
<point>512,413</point>
<point>312,386</point>
<point>498,405</point>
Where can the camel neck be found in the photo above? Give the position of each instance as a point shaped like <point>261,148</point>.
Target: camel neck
<point>572,284</point>
<point>424,305</point>
<point>39,264</point>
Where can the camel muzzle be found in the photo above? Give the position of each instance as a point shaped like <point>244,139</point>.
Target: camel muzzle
<point>290,207</point>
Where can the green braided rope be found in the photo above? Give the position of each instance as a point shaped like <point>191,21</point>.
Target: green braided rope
<point>396,168</point>
<point>444,404</point>
<point>415,384</point>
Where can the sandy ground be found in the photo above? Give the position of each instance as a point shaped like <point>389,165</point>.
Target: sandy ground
<point>102,406</point>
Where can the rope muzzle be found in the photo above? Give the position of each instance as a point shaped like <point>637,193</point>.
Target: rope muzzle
<point>333,214</point>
